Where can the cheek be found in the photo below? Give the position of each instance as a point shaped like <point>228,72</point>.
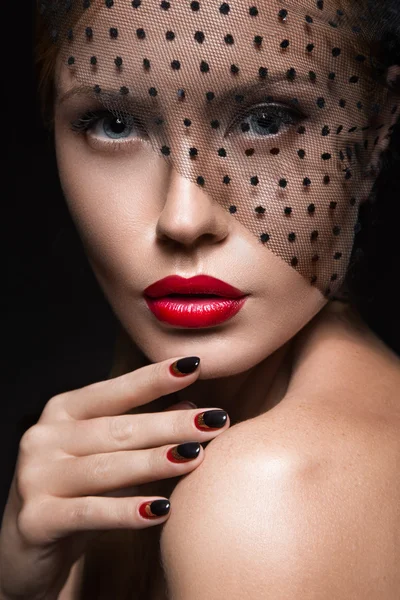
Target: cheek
<point>107,194</point>
<point>315,210</point>
<point>303,209</point>
<point>110,200</point>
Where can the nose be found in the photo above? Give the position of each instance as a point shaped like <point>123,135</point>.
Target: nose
<point>190,216</point>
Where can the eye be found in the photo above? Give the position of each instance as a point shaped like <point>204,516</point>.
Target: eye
<point>104,124</point>
<point>113,127</point>
<point>267,120</point>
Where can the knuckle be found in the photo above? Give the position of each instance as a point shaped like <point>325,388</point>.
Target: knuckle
<point>29,523</point>
<point>99,467</point>
<point>120,429</point>
<point>57,401</point>
<point>26,480</point>
<point>119,513</point>
<point>177,425</point>
<point>35,437</point>
<point>54,406</point>
<point>81,513</point>
<point>29,440</point>
<point>24,521</point>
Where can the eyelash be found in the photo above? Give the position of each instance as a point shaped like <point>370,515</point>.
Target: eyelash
<point>289,115</point>
<point>90,118</point>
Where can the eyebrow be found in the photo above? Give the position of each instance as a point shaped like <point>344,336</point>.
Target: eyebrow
<point>129,100</point>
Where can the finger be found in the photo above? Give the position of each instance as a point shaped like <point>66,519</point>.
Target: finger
<point>65,516</point>
<point>119,395</point>
<point>130,432</point>
<point>92,475</point>
<point>181,406</point>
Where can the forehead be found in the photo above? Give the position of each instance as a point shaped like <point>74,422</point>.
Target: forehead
<point>215,13</point>
<point>199,42</point>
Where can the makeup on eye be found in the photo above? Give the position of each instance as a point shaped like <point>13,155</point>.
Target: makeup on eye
<point>266,120</point>
<point>113,125</point>
<point>270,118</point>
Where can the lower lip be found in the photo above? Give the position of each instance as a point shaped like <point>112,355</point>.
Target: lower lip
<point>194,312</point>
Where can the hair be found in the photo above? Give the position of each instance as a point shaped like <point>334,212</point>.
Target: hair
<point>375,255</point>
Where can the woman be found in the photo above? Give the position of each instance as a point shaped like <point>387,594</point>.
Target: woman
<point>169,120</point>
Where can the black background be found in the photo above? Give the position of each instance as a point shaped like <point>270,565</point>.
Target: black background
<point>58,329</point>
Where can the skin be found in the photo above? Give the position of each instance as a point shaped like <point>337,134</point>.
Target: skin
<point>288,348</point>
<point>141,220</point>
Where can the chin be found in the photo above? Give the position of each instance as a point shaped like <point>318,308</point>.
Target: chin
<point>222,353</point>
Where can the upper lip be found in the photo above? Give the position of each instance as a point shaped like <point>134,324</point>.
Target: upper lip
<point>201,284</point>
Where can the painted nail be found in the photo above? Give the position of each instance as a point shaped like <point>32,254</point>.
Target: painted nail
<point>184,366</point>
<point>184,452</point>
<point>211,419</point>
<point>155,509</point>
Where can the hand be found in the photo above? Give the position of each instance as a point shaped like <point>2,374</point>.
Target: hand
<point>83,448</point>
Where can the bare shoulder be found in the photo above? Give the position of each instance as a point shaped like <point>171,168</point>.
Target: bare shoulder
<point>317,476</point>
<point>298,503</point>
<point>340,418</point>
<point>351,445</point>
<point>299,500</point>
<point>340,361</point>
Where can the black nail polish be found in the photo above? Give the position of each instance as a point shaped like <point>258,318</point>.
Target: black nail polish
<point>160,507</point>
<point>211,419</point>
<point>184,366</point>
<point>157,508</point>
<point>189,450</point>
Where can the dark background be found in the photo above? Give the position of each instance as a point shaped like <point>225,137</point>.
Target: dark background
<point>58,330</point>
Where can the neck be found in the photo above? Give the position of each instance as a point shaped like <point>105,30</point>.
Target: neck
<point>243,396</point>
<point>248,394</point>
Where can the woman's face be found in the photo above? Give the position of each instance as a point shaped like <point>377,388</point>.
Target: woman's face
<point>143,217</point>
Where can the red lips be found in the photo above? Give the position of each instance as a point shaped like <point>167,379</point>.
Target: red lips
<point>202,284</point>
<point>174,300</point>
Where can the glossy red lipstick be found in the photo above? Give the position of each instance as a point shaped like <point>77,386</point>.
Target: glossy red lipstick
<point>200,301</point>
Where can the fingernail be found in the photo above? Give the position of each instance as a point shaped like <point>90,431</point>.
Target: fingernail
<point>184,452</point>
<point>155,509</point>
<point>184,366</point>
<point>211,419</point>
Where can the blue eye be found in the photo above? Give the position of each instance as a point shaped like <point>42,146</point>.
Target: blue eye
<point>104,124</point>
<point>115,128</point>
<point>263,120</point>
<point>266,120</point>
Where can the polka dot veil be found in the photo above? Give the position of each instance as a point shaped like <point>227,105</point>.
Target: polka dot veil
<point>279,111</point>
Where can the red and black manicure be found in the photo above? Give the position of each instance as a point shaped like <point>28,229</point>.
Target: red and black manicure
<point>184,366</point>
<point>211,419</point>
<point>184,452</point>
<point>155,509</point>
